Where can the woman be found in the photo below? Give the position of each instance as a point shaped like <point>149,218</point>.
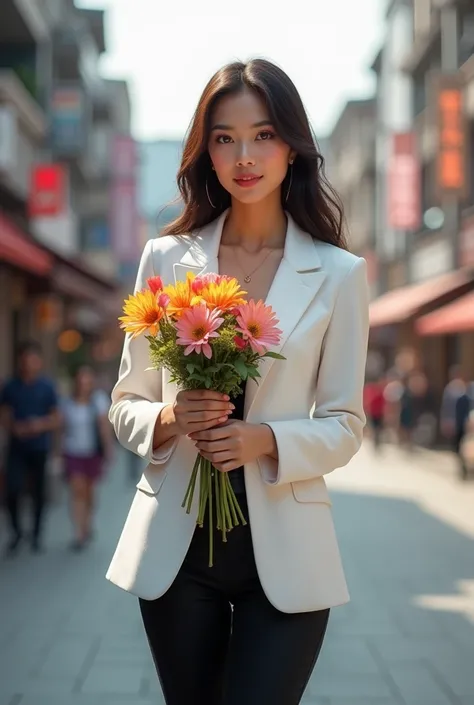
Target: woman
<point>86,447</point>
<point>250,629</point>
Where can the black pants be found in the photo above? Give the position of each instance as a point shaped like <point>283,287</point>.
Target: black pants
<point>25,469</point>
<point>207,653</point>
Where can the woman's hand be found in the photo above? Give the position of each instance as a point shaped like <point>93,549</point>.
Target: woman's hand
<point>234,444</point>
<point>199,410</point>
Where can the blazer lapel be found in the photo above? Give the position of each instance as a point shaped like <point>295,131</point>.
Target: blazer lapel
<point>297,281</point>
<point>202,255</point>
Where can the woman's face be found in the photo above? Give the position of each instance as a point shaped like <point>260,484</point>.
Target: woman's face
<point>249,158</point>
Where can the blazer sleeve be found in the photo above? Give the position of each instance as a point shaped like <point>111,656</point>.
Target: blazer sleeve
<point>309,448</point>
<point>137,395</point>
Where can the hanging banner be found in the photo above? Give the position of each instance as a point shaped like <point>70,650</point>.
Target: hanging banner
<point>452,153</point>
<point>124,218</point>
<point>404,184</point>
<point>68,121</point>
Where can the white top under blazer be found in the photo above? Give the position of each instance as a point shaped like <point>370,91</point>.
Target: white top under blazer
<point>312,401</point>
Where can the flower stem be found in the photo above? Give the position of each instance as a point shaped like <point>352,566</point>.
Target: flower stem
<point>202,492</point>
<point>226,503</point>
<point>192,484</point>
<point>218,498</point>
<point>224,516</point>
<point>236,504</point>
<point>211,518</point>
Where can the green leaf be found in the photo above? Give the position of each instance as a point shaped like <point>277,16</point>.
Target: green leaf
<point>190,368</point>
<point>208,383</point>
<point>241,368</point>
<point>274,355</point>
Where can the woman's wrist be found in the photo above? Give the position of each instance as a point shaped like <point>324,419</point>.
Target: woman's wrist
<point>165,426</point>
<point>268,441</point>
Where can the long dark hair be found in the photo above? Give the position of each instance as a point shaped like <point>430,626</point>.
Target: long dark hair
<point>312,202</point>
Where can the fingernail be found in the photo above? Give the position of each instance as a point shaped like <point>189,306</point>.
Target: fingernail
<point>224,418</point>
<point>226,397</point>
<point>232,406</point>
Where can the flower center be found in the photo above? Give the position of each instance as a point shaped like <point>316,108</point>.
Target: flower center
<point>151,317</point>
<point>199,333</point>
<point>254,330</point>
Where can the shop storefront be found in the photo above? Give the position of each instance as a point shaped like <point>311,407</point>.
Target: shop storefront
<point>394,315</point>
<point>24,273</point>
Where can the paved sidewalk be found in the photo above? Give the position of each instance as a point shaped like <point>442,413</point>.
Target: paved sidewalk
<point>67,637</point>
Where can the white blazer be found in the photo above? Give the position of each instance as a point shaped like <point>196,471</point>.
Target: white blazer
<point>312,401</point>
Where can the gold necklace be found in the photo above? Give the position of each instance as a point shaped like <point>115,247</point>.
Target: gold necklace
<point>248,275</point>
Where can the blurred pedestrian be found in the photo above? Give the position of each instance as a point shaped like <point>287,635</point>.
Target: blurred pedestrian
<point>374,394</point>
<point>462,411</point>
<point>87,448</point>
<point>249,629</point>
<point>29,414</point>
<point>455,388</point>
<point>424,409</point>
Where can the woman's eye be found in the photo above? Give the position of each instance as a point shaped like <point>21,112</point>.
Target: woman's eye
<point>223,139</point>
<point>265,135</point>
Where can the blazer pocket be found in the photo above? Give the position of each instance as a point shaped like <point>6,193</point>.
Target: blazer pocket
<point>313,490</point>
<point>151,481</point>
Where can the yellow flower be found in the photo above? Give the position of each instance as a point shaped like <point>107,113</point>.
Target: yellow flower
<point>142,314</point>
<point>222,292</point>
<point>181,296</point>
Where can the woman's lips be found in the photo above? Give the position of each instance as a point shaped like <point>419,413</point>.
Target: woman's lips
<point>248,181</point>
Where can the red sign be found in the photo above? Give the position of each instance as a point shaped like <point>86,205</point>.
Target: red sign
<point>48,190</point>
<point>404,184</point>
<point>452,153</point>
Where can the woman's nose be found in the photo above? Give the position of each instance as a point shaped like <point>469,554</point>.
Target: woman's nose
<point>245,157</point>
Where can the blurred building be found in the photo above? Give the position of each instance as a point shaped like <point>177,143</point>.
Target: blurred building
<point>158,191</point>
<point>425,186</point>
<point>61,256</point>
<point>351,169</point>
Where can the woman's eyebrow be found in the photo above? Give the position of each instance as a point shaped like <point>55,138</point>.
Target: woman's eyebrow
<point>261,123</point>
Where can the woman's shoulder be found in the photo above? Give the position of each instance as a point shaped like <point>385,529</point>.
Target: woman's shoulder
<point>338,263</point>
<point>333,255</point>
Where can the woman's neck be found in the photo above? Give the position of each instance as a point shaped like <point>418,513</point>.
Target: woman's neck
<point>256,225</point>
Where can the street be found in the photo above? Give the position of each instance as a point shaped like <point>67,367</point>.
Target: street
<point>406,527</point>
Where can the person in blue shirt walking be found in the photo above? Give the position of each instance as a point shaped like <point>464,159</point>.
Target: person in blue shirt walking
<point>29,413</point>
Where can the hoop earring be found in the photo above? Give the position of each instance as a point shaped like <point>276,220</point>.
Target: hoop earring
<point>291,181</point>
<point>208,196</point>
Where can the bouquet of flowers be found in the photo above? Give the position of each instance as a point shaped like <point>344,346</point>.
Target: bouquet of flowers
<point>207,335</point>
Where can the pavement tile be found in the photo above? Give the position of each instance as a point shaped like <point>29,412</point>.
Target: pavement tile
<point>102,679</point>
<point>362,701</point>
<point>416,684</point>
<point>356,685</point>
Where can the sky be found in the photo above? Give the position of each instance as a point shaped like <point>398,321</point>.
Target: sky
<point>168,50</point>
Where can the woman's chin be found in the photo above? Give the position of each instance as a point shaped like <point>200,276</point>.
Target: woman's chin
<point>251,196</point>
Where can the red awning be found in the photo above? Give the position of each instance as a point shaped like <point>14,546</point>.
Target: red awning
<point>456,317</point>
<point>401,304</point>
<point>17,249</point>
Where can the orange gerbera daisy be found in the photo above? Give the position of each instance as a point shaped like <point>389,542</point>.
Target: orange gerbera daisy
<point>224,293</point>
<point>181,296</point>
<point>142,314</point>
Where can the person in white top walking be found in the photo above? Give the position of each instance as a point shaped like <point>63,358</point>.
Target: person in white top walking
<point>87,445</point>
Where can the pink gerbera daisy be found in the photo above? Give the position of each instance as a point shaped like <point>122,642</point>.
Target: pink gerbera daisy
<point>257,324</point>
<point>196,326</point>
